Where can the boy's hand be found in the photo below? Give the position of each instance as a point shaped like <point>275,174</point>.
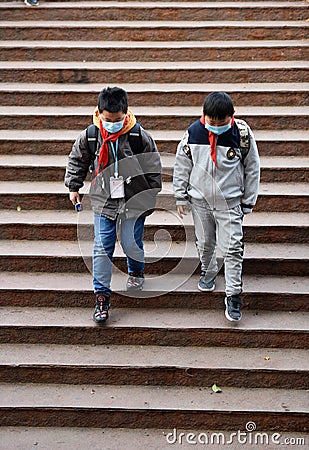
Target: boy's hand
<point>74,197</point>
<point>182,210</point>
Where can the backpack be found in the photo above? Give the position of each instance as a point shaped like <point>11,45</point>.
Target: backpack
<point>244,143</point>
<point>135,140</point>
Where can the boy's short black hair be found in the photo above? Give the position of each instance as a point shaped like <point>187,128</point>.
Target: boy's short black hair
<point>113,99</point>
<point>218,105</point>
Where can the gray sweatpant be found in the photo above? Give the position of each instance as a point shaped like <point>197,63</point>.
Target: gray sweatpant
<point>222,229</point>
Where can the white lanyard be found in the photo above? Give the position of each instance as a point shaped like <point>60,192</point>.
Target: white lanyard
<point>115,153</point>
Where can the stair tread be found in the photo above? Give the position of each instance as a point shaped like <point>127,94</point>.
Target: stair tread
<point>20,438</point>
<point>151,111</point>
<point>152,397</point>
<point>166,218</point>
<point>71,135</point>
<point>153,44</point>
<point>152,249</point>
<point>168,160</point>
<point>160,318</point>
<point>161,4</point>
<point>153,356</point>
<point>161,87</point>
<point>67,282</point>
<point>150,65</point>
<point>153,23</point>
<point>55,187</point>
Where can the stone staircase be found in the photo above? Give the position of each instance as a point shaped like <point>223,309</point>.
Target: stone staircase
<point>66,382</point>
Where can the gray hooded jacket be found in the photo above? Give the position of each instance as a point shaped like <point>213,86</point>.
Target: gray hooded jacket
<point>234,180</point>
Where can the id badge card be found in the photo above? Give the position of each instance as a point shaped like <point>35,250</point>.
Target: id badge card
<point>116,187</point>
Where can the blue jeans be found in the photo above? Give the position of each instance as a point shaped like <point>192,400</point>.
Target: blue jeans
<point>105,236</point>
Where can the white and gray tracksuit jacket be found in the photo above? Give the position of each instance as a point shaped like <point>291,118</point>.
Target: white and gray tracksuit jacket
<point>233,181</point>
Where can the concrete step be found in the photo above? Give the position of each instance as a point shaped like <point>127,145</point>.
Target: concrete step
<point>157,72</point>
<point>68,117</point>
<point>52,168</point>
<point>158,10</point>
<point>160,366</point>
<point>288,50</point>
<point>281,143</point>
<point>162,327</point>
<point>19,438</point>
<point>153,30</point>
<point>273,197</point>
<point>161,257</point>
<point>68,290</point>
<point>106,2</point>
<point>67,225</point>
<point>144,406</point>
<point>155,94</point>
<point>100,2</point>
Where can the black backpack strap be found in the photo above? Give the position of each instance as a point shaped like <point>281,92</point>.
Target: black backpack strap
<point>187,151</point>
<point>92,133</point>
<point>135,139</point>
<point>244,144</point>
<point>185,145</point>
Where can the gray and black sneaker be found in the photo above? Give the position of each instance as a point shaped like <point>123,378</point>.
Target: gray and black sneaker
<point>32,2</point>
<point>232,308</point>
<point>206,286</point>
<point>102,307</point>
<point>135,281</point>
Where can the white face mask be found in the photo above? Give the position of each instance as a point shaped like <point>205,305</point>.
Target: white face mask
<point>218,130</point>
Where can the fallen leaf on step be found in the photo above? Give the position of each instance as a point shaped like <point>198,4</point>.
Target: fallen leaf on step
<point>267,358</point>
<point>216,388</point>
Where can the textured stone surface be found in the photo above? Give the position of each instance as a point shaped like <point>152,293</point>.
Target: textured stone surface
<point>154,362</point>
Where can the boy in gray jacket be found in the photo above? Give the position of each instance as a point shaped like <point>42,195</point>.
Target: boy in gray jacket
<point>217,171</point>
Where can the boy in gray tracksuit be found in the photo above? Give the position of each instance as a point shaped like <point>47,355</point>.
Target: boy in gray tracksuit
<point>219,177</point>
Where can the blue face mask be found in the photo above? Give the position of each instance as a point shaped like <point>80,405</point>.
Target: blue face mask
<point>218,130</point>
<point>113,127</point>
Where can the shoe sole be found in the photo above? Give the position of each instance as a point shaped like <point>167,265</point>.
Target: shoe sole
<point>100,321</point>
<point>227,314</point>
<point>206,290</point>
<point>135,288</point>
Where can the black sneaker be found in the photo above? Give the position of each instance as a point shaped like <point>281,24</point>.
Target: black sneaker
<point>232,308</point>
<point>102,306</point>
<point>32,2</point>
<point>135,281</point>
<point>206,286</point>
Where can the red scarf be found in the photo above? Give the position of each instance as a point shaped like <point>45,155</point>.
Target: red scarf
<point>129,123</point>
<point>103,155</point>
<point>212,140</point>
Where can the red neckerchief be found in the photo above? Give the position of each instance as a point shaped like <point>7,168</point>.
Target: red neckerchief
<point>103,155</point>
<point>212,140</point>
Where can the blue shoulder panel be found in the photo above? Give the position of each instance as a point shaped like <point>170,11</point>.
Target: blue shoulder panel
<point>199,135</point>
